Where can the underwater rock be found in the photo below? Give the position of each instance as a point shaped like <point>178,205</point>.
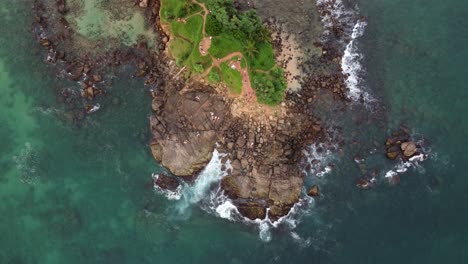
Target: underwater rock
<point>314,191</point>
<point>393,153</point>
<point>166,182</point>
<point>364,184</point>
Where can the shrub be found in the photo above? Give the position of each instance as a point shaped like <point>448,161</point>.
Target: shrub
<point>213,76</point>
<point>213,27</point>
<point>198,68</point>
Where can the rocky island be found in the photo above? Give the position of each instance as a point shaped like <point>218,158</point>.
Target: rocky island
<point>221,77</point>
<point>221,106</point>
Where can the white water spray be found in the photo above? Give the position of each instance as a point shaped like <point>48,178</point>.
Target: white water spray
<point>192,194</point>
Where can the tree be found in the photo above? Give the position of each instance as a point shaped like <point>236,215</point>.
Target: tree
<point>251,49</point>
<point>263,35</point>
<point>213,26</point>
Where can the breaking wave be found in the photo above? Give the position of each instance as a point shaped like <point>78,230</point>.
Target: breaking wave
<point>334,14</point>
<point>402,167</point>
<point>352,67</point>
<point>221,206</point>
<point>206,191</point>
<point>211,174</point>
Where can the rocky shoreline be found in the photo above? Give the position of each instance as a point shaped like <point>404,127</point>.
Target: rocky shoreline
<point>265,146</point>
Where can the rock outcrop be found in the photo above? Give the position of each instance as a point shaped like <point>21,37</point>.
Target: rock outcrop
<point>264,152</point>
<point>186,126</point>
<point>265,159</point>
<point>166,182</point>
<point>401,145</point>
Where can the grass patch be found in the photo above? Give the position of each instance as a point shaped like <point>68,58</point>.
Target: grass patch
<point>232,78</point>
<point>184,45</point>
<point>191,30</point>
<point>180,49</point>
<point>173,9</point>
<point>223,45</point>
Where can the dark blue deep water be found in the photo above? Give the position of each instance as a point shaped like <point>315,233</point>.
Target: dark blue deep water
<point>80,195</point>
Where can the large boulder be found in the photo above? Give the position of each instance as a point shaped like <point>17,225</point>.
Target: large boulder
<point>409,149</point>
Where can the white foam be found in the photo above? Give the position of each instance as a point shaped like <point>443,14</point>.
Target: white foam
<point>390,174</point>
<point>291,220</point>
<point>227,210</point>
<point>404,166</point>
<point>211,174</point>
<point>318,156</point>
<point>352,68</point>
<point>170,195</point>
<point>336,13</point>
<point>217,203</point>
<point>95,108</point>
<point>265,231</point>
<point>221,206</point>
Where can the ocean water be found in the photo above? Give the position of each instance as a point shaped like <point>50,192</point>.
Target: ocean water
<point>82,194</point>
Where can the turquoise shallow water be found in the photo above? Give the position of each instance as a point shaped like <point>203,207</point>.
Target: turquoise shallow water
<point>80,194</point>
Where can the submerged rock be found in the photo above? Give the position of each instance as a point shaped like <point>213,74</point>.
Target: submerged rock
<point>393,153</point>
<point>364,184</point>
<point>314,191</point>
<point>166,182</point>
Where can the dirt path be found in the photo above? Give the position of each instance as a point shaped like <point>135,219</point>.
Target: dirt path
<point>206,11</point>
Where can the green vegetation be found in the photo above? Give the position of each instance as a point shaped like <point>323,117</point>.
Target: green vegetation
<point>269,87</point>
<point>231,31</point>
<point>173,9</point>
<point>232,78</point>
<point>213,76</point>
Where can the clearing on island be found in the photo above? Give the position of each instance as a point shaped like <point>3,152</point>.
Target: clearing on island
<point>216,41</point>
